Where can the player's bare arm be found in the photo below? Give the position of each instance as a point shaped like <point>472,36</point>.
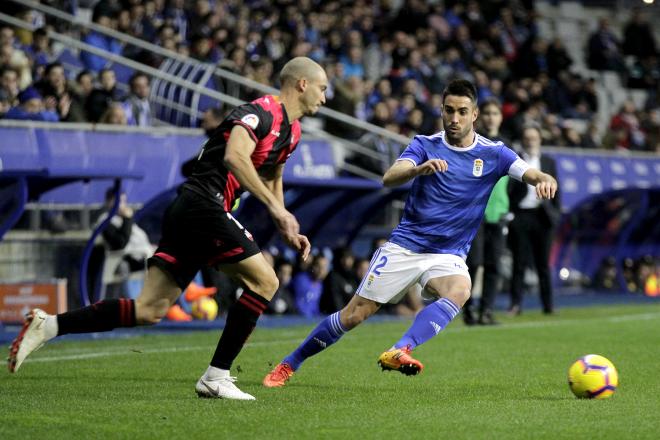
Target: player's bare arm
<point>274,183</point>
<point>403,170</point>
<point>237,160</point>
<point>545,184</point>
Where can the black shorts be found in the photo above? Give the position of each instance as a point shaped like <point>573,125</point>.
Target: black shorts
<point>198,232</point>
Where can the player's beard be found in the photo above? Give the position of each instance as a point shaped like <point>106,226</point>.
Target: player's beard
<point>455,140</point>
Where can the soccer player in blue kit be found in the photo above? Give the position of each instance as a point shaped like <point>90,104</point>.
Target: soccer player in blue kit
<point>453,173</point>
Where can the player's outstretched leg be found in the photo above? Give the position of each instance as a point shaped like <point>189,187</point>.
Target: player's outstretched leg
<point>158,294</point>
<point>326,333</point>
<point>428,323</point>
<point>40,327</point>
<point>329,331</point>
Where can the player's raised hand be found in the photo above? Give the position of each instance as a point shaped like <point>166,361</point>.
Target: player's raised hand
<point>546,189</point>
<point>431,166</point>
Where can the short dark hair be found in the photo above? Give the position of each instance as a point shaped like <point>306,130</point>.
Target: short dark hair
<point>490,101</point>
<point>137,75</point>
<point>461,87</point>
<point>531,126</point>
<point>49,67</point>
<point>83,73</point>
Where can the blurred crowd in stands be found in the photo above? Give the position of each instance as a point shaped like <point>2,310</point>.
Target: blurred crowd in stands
<point>387,61</point>
<point>639,275</point>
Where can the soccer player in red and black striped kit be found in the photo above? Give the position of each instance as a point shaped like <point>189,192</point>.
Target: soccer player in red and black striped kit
<point>246,152</point>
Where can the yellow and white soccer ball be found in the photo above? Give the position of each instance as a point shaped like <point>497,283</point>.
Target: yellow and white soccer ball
<point>593,377</point>
<point>205,308</point>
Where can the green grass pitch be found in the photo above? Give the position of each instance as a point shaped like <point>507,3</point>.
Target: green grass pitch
<point>479,383</point>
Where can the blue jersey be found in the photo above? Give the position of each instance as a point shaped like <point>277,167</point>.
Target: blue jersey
<point>443,210</point>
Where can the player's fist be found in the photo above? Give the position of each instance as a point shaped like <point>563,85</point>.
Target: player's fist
<point>546,189</point>
<point>431,166</point>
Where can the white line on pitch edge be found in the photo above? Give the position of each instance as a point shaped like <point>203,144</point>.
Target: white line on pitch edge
<point>514,326</point>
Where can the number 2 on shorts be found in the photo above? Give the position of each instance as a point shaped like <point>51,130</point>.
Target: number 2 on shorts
<point>382,261</point>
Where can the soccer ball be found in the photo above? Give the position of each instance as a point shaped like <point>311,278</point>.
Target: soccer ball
<point>205,308</point>
<point>593,377</point>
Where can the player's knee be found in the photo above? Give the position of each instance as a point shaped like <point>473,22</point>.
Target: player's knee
<point>265,285</point>
<point>459,296</point>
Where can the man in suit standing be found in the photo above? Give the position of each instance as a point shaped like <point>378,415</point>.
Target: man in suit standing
<point>532,229</point>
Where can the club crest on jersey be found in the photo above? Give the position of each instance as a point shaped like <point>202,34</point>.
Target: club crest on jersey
<point>478,168</point>
<point>250,120</point>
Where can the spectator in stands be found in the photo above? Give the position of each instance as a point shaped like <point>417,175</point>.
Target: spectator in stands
<point>353,62</point>
<point>604,49</point>
<point>627,129</point>
<point>348,94</point>
<point>114,115</point>
<point>11,57</point>
<point>56,90</point>
<point>307,287</point>
<point>638,39</point>
<point>31,107</point>
<point>202,50</point>
<point>103,17</point>
<point>137,106</point>
<point>176,15</point>
<point>591,138</point>
<point>100,98</point>
<point>558,58</point>
<point>84,83</point>
<point>340,284</point>
<point>40,52</point>
<point>9,86</point>
<point>531,231</point>
<point>124,234</point>
<point>282,301</point>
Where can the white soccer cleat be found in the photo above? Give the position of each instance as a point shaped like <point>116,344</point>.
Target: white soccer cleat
<point>31,338</point>
<point>221,388</point>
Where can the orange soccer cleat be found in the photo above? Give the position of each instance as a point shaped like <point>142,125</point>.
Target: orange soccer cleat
<point>279,376</point>
<point>400,360</point>
<point>176,313</point>
<point>194,291</point>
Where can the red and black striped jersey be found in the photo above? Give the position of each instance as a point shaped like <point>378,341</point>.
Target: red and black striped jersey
<point>266,121</point>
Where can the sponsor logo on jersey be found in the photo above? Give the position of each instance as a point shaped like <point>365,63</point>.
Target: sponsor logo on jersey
<point>250,120</point>
<point>275,133</point>
<point>478,168</point>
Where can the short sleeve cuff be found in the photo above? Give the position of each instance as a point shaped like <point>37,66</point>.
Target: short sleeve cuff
<point>248,128</point>
<point>408,159</point>
<point>518,168</point>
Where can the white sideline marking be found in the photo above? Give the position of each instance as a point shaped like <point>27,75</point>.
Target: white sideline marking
<point>523,325</point>
<point>129,351</point>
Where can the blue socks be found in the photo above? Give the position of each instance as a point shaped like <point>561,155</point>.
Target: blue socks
<point>428,323</point>
<point>325,334</point>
